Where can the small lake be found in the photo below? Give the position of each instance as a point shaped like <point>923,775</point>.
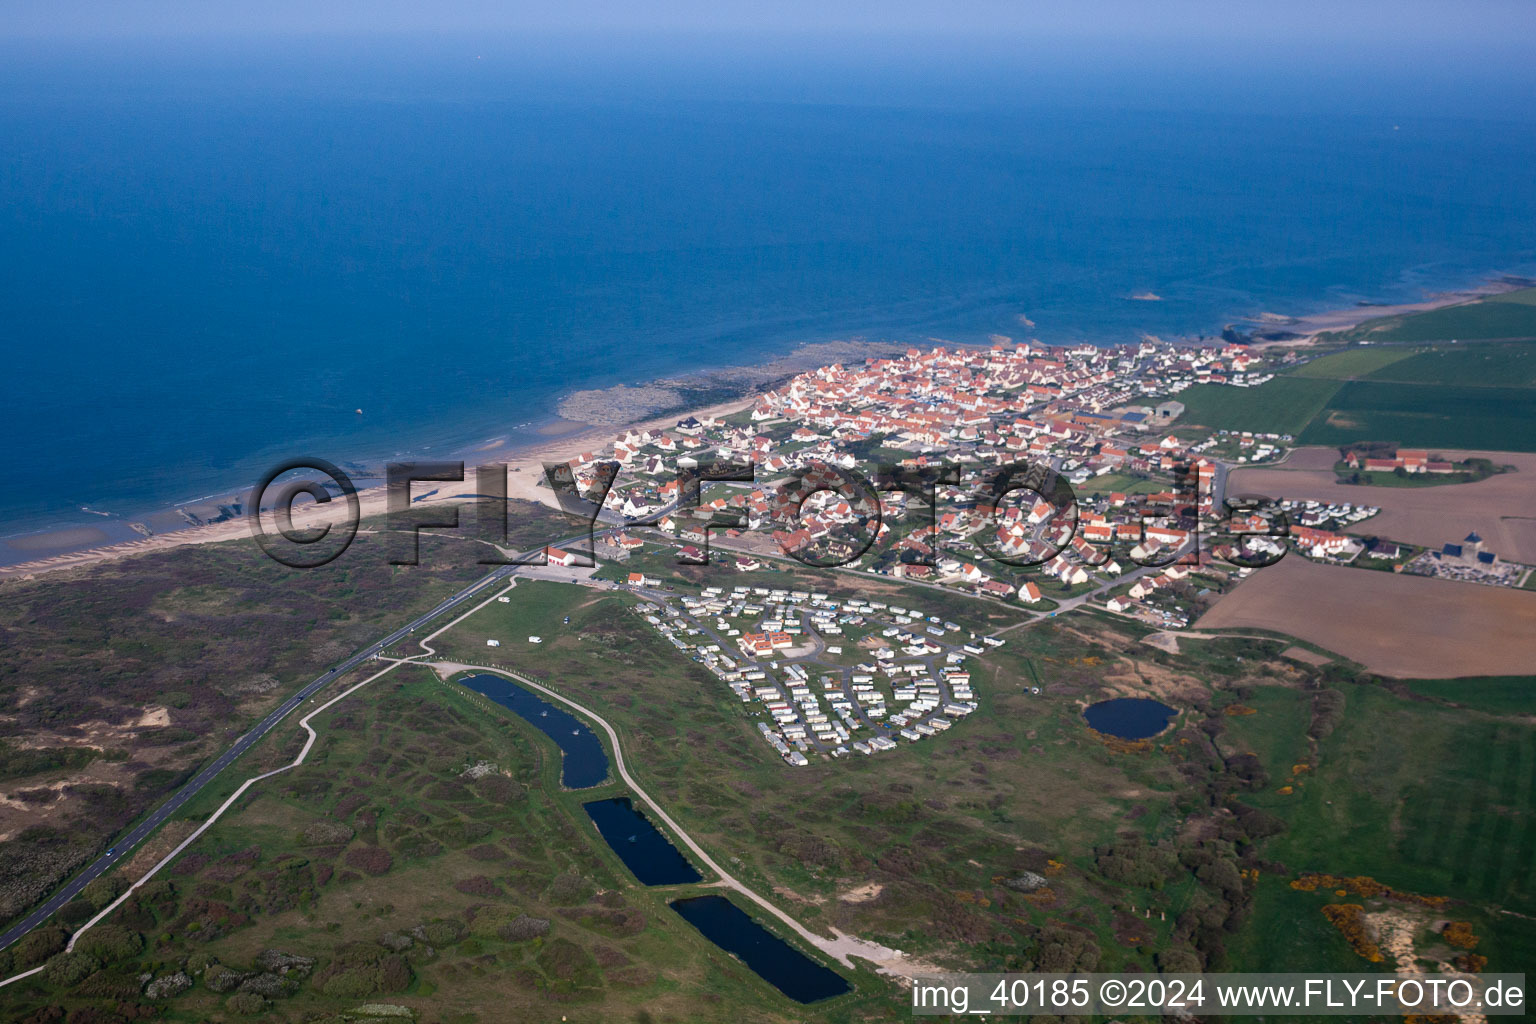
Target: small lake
<point>1129,718</point>
<point>774,960</point>
<point>584,763</point>
<point>640,844</point>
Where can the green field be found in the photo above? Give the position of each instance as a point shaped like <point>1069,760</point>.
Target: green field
<point>1422,797</point>
<point>1284,405</point>
<point>1424,415</point>
<point>1351,363</point>
<point>1445,396</point>
<point>1511,315</point>
<point>1498,694</point>
<point>1484,365</point>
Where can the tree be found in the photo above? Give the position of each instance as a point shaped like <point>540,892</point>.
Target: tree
<point>1179,960</point>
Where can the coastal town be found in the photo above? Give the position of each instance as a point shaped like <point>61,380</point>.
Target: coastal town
<point>1143,531</point>
<point>1141,528</point>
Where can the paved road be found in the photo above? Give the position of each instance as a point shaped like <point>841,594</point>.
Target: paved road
<point>196,784</point>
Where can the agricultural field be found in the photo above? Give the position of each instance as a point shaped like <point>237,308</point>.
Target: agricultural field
<point>1482,365</point>
<point>1425,415</point>
<point>1498,507</point>
<point>1350,363</point>
<point>1284,405</point>
<point>1508,316</point>
<point>1495,694</point>
<point>1409,627</point>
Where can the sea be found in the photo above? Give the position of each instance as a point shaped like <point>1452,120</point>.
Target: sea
<point>224,255</point>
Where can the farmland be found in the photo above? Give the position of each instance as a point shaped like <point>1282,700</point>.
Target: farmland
<point>1455,395</point>
<point>1324,410</point>
<point>1351,363</point>
<point>1498,508</point>
<point>1405,626</point>
<point>1484,365</point>
<point>1425,415</point>
<point>1284,405</point>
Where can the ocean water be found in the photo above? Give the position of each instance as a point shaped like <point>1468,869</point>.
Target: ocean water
<point>196,282</point>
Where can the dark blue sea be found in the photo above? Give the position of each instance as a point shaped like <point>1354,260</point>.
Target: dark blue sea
<point>205,267</point>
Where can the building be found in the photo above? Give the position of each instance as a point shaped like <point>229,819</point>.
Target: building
<point>1469,553</point>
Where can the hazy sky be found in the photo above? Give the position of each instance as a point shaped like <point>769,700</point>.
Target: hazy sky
<point>1283,22</point>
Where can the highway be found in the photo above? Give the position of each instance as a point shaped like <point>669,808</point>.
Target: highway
<point>126,842</point>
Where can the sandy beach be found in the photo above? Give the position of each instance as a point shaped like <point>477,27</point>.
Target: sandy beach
<point>525,465</point>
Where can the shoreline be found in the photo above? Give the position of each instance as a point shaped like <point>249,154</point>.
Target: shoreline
<point>589,419</point>
<point>584,420</point>
<point>525,465</point>
<point>1306,329</point>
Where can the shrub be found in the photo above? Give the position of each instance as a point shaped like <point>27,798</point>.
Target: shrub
<point>219,978</point>
<point>373,860</point>
<point>246,1004</point>
<point>70,968</point>
<point>76,912</point>
<point>522,928</point>
<point>1178,960</point>
<point>102,891</point>
<point>1460,934</point>
<point>361,969</point>
<point>111,943</point>
<point>442,932</point>
<point>37,946</point>
<point>326,833</point>
<point>478,885</point>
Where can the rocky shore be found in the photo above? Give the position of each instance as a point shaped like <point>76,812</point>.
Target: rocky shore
<point>628,403</point>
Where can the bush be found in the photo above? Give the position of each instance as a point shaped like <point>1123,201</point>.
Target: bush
<point>326,833</point>
<point>1327,713</point>
<point>1178,960</point>
<point>522,928</point>
<point>111,943</point>
<point>442,932</point>
<point>246,1004</point>
<point>70,968</point>
<point>38,945</point>
<point>361,969</point>
<point>219,978</point>
<point>76,912</point>
<point>104,890</point>
<point>372,860</point>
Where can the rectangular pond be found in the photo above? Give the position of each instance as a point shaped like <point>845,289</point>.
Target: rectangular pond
<point>584,763</point>
<point>640,844</point>
<point>774,960</point>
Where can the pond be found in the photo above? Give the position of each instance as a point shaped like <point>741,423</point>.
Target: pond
<point>584,762</point>
<point>1129,718</point>
<point>774,960</point>
<point>640,844</point>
